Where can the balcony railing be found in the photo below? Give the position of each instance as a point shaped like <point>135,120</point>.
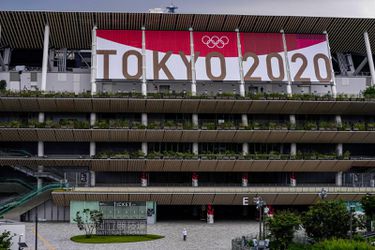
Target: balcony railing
<point>187,125</point>
<point>187,95</point>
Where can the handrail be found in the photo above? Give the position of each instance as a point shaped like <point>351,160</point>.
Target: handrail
<point>13,204</point>
<point>19,181</point>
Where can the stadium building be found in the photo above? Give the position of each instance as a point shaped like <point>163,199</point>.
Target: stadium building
<point>177,112</point>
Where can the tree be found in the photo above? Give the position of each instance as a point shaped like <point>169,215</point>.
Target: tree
<point>5,240</point>
<point>3,85</point>
<point>88,221</point>
<point>282,227</point>
<point>368,205</point>
<point>327,219</point>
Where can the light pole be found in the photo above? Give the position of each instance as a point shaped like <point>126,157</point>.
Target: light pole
<point>260,203</point>
<point>351,210</point>
<point>323,194</point>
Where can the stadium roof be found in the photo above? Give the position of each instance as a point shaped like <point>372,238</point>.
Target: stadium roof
<point>24,29</point>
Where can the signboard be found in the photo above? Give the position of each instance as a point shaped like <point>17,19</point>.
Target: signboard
<point>123,210</point>
<point>123,218</point>
<point>167,56</point>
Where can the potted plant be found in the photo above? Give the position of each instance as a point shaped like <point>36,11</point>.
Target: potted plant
<point>188,125</point>
<point>371,126</point>
<point>15,124</point>
<point>32,123</point>
<point>154,155</point>
<point>272,125</point>
<point>274,155</point>
<point>359,126</point>
<point>81,124</point>
<point>102,124</point>
<point>346,155</point>
<point>310,125</point>
<point>257,125</point>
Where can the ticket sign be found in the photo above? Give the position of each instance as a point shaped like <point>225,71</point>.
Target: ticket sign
<point>167,55</point>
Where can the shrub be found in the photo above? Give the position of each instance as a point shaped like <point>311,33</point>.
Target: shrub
<point>327,219</point>
<point>6,240</point>
<point>3,85</point>
<point>342,244</point>
<point>282,227</point>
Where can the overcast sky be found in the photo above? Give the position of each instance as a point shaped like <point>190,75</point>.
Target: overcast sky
<point>333,8</point>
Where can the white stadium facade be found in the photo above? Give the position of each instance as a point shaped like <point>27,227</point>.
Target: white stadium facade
<point>176,114</point>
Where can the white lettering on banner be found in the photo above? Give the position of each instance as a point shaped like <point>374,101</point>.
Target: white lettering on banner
<point>120,61</point>
<point>245,201</point>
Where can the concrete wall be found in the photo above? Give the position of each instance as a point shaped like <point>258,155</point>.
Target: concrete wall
<point>48,211</point>
<point>80,82</point>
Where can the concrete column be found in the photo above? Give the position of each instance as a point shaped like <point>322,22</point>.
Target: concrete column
<point>369,57</point>
<point>40,180</point>
<point>292,121</point>
<point>195,121</point>
<point>45,58</point>
<point>40,149</point>
<point>144,81</point>
<point>287,67</point>
<point>338,121</point>
<point>144,148</point>
<point>92,179</point>
<point>92,148</point>
<point>293,149</point>
<point>93,61</point>
<point>245,148</point>
<point>41,117</point>
<point>195,148</point>
<point>339,179</point>
<point>244,120</point>
<point>144,119</point>
<point>339,149</point>
<point>6,58</point>
<point>192,59</point>
<point>240,63</point>
<point>333,84</point>
<point>92,119</point>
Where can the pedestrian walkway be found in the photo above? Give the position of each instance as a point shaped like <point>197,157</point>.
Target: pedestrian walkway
<point>201,236</point>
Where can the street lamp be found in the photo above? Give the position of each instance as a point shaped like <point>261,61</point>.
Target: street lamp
<point>323,194</point>
<point>260,203</point>
<point>351,210</point>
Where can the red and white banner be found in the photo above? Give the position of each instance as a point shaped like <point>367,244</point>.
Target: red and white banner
<point>168,56</point>
<point>263,57</point>
<point>218,56</point>
<point>119,54</point>
<point>308,57</point>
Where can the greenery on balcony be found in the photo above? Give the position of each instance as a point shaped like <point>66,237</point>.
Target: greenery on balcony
<point>225,155</point>
<point>369,93</point>
<point>327,125</point>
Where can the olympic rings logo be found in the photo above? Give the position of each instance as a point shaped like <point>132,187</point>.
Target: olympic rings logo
<point>215,41</point>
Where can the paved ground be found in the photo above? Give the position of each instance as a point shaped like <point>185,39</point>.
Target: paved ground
<point>53,236</point>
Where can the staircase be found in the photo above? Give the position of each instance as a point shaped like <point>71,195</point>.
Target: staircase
<point>36,174</point>
<point>14,208</point>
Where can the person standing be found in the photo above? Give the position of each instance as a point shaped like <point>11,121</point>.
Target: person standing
<point>184,234</point>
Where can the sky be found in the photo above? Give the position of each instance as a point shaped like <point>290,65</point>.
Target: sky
<point>330,8</point>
